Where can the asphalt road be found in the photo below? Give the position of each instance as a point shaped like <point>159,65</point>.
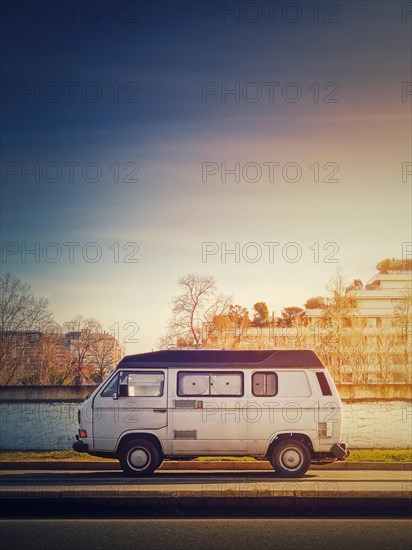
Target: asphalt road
<point>210,534</point>
<point>94,494</point>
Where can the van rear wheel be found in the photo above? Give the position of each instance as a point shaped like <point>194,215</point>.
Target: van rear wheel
<point>291,458</point>
<point>139,457</point>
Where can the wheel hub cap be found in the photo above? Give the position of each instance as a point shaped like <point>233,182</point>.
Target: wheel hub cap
<point>291,459</point>
<point>138,458</point>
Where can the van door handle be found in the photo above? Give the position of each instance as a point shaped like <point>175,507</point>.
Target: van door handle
<point>159,410</point>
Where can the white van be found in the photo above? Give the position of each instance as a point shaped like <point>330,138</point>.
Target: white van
<point>278,405</point>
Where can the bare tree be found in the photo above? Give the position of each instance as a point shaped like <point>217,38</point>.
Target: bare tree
<point>85,355</point>
<point>290,330</point>
<point>358,352</point>
<point>339,311</point>
<point>228,330</point>
<point>22,317</point>
<point>340,304</point>
<point>403,327</point>
<point>51,362</point>
<point>198,303</point>
<point>103,357</point>
<point>239,316</point>
<point>385,348</point>
<point>82,335</point>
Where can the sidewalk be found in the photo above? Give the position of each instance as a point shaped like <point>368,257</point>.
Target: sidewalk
<point>193,465</point>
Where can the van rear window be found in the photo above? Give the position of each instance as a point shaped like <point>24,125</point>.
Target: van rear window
<point>293,384</point>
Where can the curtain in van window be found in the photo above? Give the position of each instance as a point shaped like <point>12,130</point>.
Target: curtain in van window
<point>208,383</point>
<point>193,383</point>
<point>264,384</point>
<point>226,384</point>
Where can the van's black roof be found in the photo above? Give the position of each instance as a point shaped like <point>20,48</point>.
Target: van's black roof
<point>224,358</point>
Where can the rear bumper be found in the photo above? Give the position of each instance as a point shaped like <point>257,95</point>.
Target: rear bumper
<point>80,446</point>
<point>340,451</point>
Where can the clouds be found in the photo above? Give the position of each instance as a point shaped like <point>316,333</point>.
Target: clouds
<point>144,105</point>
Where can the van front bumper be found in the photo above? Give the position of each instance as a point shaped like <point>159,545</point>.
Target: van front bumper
<point>80,446</point>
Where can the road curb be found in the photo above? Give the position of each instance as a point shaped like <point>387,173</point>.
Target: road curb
<point>195,466</point>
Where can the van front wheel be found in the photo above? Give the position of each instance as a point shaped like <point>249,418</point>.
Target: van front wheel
<point>139,457</point>
<point>291,458</point>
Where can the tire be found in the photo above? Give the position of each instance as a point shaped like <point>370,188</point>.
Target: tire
<point>291,458</point>
<point>139,457</point>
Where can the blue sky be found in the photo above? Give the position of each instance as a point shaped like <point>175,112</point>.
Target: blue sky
<point>153,126</point>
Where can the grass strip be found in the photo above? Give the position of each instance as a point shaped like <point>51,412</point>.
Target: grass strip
<point>357,455</point>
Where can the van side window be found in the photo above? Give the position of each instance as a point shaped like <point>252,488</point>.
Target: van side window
<point>225,384</point>
<point>264,384</point>
<point>111,388</point>
<point>145,384</point>
<point>136,384</point>
<point>189,383</point>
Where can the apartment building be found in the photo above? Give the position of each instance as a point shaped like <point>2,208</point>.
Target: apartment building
<point>383,320</point>
<point>372,345</point>
<point>42,358</point>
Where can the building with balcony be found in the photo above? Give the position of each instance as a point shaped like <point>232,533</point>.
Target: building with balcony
<point>372,344</point>
<point>380,327</point>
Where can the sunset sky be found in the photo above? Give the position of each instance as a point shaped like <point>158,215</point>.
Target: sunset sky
<point>163,116</point>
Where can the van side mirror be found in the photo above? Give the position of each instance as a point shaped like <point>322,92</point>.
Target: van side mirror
<point>115,395</point>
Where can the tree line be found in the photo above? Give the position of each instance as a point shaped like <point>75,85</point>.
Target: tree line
<point>35,350</point>
<point>204,318</point>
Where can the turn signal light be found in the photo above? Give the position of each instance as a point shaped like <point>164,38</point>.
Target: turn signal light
<point>82,433</point>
